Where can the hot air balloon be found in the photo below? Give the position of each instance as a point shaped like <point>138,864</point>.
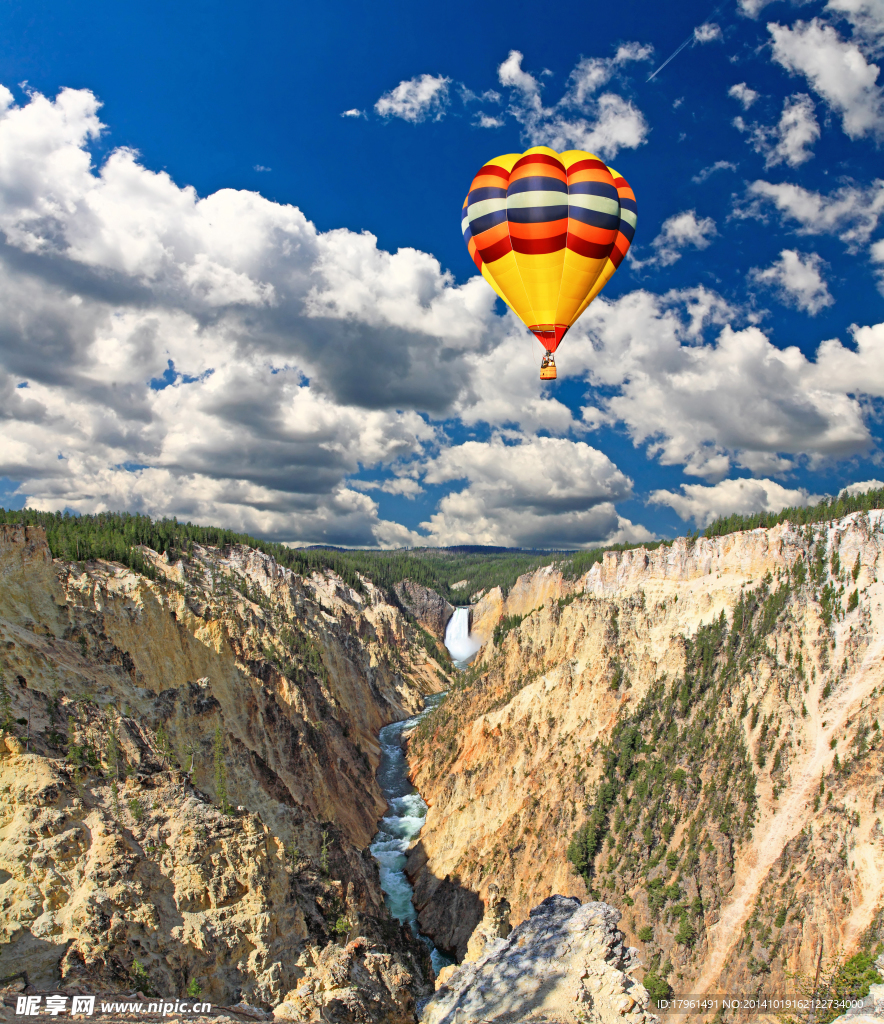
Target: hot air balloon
<point>548,230</point>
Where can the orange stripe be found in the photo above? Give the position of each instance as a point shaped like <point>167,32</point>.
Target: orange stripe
<point>484,180</point>
<point>590,233</point>
<point>536,169</point>
<point>491,235</point>
<point>590,175</point>
<point>547,229</point>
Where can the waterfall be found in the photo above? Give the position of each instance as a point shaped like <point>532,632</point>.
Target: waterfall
<point>461,644</point>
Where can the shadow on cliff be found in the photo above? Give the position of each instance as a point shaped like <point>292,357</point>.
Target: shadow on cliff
<point>447,911</point>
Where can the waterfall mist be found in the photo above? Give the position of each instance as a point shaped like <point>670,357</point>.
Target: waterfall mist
<point>461,644</point>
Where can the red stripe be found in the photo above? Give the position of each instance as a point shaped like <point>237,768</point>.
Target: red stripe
<point>537,246</point>
<point>494,169</point>
<point>539,158</point>
<point>592,250</point>
<point>494,252</point>
<point>617,253</point>
<point>587,165</point>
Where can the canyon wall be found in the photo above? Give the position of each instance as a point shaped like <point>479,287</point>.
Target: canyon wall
<point>187,770</point>
<point>700,727</point>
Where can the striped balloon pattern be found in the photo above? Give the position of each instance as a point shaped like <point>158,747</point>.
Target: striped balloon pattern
<point>547,230</point>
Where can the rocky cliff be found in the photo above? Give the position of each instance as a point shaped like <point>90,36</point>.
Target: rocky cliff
<point>692,734</point>
<point>565,962</point>
<point>187,770</point>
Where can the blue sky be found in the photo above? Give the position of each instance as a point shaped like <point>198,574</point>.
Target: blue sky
<point>234,286</point>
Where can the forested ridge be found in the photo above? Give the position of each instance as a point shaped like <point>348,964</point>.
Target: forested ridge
<point>119,537</point>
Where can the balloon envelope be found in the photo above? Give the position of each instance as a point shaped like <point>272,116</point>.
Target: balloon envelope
<point>547,230</point>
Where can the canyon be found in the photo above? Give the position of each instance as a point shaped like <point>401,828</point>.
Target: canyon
<point>188,781</point>
<point>660,774</point>
<point>691,734</point>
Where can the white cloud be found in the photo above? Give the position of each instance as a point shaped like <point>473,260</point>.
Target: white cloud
<point>728,497</point>
<point>401,485</point>
<point>738,400</point>
<point>791,140</point>
<point>707,172</point>
<point>416,99</point>
<point>797,278</point>
<point>110,275</point>
<point>262,168</point>
<point>866,18</point>
<point>866,485</point>
<point>752,8</point>
<point>877,254</point>
<point>487,121</point>
<point>540,492</point>
<point>708,32</point>
<point>850,212</point>
<point>583,119</point>
<point>836,70</point>
<point>743,94</point>
<point>353,112</point>
<point>682,230</point>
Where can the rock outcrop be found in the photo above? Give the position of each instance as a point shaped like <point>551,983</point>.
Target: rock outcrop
<point>740,682</point>
<point>566,962</point>
<point>187,775</point>
<point>431,611</point>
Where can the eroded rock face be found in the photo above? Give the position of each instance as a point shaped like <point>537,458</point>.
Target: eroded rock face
<point>430,610</point>
<point>196,790</point>
<point>761,826</point>
<point>565,957</point>
<point>361,981</point>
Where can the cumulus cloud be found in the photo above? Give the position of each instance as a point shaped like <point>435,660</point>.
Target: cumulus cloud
<point>865,485</point>
<point>707,172</point>
<point>268,342</point>
<point>353,112</point>
<point>708,32</point>
<point>705,504</point>
<point>419,98</point>
<point>219,358</point>
<point>850,212</point>
<point>791,140</point>
<point>835,69</point>
<point>681,231</point>
<point>797,278</point>
<point>743,94</point>
<point>583,118</point>
<point>734,400</point>
<point>539,492</point>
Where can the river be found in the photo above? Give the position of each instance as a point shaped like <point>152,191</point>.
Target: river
<point>403,821</point>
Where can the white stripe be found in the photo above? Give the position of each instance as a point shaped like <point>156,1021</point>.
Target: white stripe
<point>600,204</point>
<point>629,217</point>
<point>522,200</point>
<point>485,206</point>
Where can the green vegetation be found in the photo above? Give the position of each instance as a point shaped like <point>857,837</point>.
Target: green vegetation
<point>824,512</point>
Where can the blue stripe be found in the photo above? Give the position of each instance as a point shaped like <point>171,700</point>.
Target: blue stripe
<point>537,214</point>
<point>627,230</point>
<point>481,224</point>
<point>537,184</point>
<point>606,221</point>
<point>478,194</point>
<point>467,233</point>
<point>629,204</point>
<point>593,188</point>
